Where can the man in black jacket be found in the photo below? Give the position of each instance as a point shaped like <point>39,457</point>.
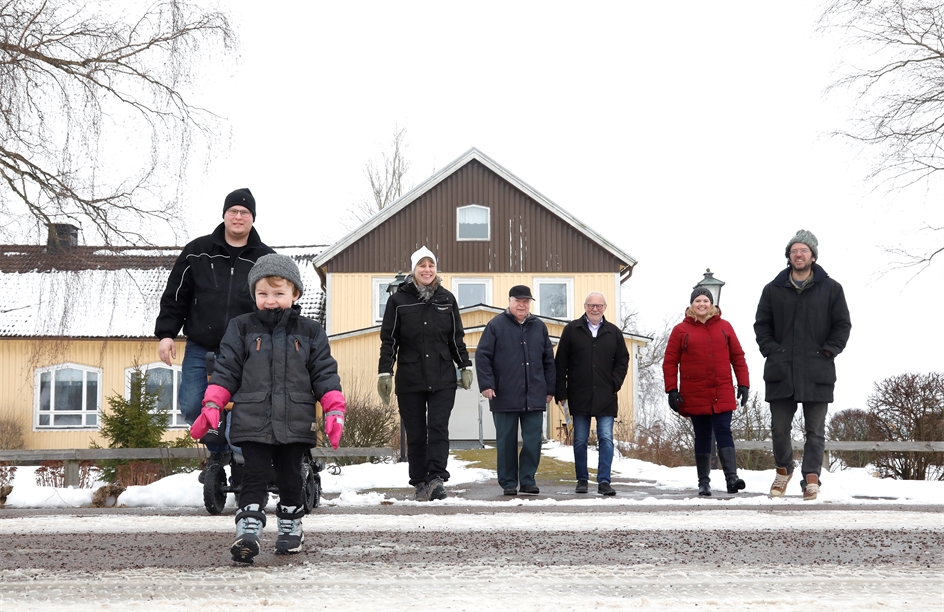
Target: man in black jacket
<point>802,324</point>
<point>591,364</point>
<point>515,365</point>
<point>207,287</point>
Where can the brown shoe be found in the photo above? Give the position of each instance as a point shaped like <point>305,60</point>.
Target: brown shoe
<point>811,490</point>
<point>779,487</point>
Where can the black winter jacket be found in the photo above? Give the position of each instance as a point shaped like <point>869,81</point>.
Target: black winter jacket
<point>275,376</point>
<point>424,338</point>
<point>590,371</point>
<point>207,288</point>
<point>794,329</point>
<point>516,360</point>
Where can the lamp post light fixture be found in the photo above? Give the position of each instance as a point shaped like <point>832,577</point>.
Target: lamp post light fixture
<point>713,285</point>
<point>397,281</point>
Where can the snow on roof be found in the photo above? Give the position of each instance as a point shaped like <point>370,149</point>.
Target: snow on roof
<point>95,292</point>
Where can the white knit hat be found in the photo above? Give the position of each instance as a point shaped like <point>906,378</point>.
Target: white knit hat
<point>419,254</point>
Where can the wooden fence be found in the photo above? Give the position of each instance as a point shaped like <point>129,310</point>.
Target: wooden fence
<point>841,445</point>
<point>72,456</point>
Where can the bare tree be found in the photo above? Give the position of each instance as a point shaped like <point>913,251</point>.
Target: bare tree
<point>95,127</point>
<point>650,402</point>
<point>897,84</point>
<point>386,179</point>
<point>909,407</point>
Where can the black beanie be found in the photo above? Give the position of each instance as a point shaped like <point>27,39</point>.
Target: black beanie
<point>702,291</point>
<point>241,197</point>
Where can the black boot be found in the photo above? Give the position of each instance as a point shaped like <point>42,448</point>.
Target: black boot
<point>703,464</point>
<point>729,465</point>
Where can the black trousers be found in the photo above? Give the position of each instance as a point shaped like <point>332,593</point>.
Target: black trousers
<point>425,417</point>
<point>261,459</point>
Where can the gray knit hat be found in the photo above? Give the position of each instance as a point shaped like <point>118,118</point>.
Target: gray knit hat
<point>274,264</point>
<point>702,291</point>
<point>805,237</point>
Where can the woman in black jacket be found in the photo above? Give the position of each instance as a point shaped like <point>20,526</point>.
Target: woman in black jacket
<point>421,327</point>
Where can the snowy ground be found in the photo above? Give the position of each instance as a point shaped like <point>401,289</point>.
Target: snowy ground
<point>753,553</point>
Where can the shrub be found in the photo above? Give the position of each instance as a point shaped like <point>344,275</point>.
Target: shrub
<point>851,425</point>
<point>138,422</point>
<point>11,434</point>
<point>368,423</point>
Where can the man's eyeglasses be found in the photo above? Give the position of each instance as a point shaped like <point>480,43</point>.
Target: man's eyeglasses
<point>595,306</point>
<point>799,251</point>
<point>238,213</point>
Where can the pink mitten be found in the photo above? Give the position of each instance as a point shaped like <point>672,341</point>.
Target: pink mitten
<point>209,420</point>
<point>334,406</point>
<point>216,394</point>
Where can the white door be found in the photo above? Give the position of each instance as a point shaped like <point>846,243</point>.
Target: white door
<point>471,418</point>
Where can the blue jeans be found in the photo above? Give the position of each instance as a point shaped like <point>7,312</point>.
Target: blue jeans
<point>193,386</point>
<point>704,424</point>
<point>604,445</point>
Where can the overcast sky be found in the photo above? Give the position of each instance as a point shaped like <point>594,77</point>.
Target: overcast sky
<point>690,134</point>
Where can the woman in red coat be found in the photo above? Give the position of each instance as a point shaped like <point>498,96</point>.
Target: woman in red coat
<point>704,347</point>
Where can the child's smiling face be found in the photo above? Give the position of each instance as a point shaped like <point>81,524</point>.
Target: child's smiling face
<point>273,292</point>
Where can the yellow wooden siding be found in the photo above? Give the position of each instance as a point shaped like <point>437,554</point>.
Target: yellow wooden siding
<point>351,300</point>
<point>19,360</point>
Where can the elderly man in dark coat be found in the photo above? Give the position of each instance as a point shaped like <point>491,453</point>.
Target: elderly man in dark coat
<point>515,365</point>
<point>802,324</point>
<point>591,365</point>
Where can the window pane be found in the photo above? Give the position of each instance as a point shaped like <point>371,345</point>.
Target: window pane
<point>67,420</point>
<point>382,296</point>
<point>161,381</point>
<point>91,392</point>
<point>469,294</point>
<point>473,223</point>
<point>43,419</point>
<point>68,390</point>
<point>91,420</point>
<point>45,387</point>
<point>553,299</point>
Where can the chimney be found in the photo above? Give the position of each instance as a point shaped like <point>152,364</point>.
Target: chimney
<point>62,237</point>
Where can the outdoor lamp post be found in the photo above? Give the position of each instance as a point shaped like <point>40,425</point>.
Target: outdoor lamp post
<point>713,285</point>
<point>391,289</point>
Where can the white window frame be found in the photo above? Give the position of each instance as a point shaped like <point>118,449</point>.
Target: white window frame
<point>488,224</point>
<point>554,280</point>
<point>473,281</point>
<point>52,412</point>
<point>177,420</point>
<point>378,284</point>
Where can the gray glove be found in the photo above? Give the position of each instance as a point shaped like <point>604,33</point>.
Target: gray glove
<point>385,387</point>
<point>465,380</point>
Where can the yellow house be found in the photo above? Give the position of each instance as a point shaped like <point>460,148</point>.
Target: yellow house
<point>490,231</point>
<point>74,320</point>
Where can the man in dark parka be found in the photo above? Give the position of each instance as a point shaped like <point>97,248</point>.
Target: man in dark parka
<point>591,364</point>
<point>802,324</point>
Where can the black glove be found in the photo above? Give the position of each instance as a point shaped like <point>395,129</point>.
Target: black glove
<point>674,400</point>
<point>743,392</point>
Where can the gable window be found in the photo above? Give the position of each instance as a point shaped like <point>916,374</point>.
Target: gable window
<point>67,396</point>
<point>472,223</point>
<point>472,291</point>
<point>554,297</point>
<point>166,382</point>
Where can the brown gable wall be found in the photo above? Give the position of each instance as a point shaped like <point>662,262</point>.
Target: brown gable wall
<point>525,236</point>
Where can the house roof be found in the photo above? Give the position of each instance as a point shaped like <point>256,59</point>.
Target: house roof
<point>98,292</point>
<point>428,184</point>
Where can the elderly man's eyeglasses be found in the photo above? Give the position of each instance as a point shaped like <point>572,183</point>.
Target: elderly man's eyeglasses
<point>232,212</point>
<point>595,306</point>
<point>799,251</point>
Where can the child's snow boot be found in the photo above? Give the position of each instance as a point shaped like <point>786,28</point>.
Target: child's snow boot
<point>249,523</point>
<point>291,535</point>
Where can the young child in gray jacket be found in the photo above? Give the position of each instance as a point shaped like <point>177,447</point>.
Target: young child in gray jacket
<point>274,364</point>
